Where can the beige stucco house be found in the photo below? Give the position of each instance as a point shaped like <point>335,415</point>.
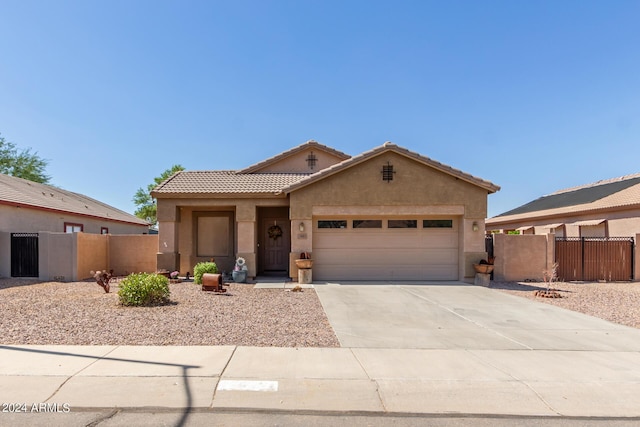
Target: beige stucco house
<point>608,208</point>
<point>385,214</point>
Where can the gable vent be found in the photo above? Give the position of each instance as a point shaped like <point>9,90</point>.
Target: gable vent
<point>387,172</point>
<point>312,160</point>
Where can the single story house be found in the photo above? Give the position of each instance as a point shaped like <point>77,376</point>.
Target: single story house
<point>28,208</point>
<point>608,208</point>
<point>386,214</point>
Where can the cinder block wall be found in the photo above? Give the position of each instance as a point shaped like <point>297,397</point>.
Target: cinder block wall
<point>57,253</point>
<point>93,254</point>
<point>5,254</point>
<point>522,257</point>
<point>133,253</point>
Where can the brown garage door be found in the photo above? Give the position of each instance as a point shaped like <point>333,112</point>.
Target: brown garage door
<point>385,249</point>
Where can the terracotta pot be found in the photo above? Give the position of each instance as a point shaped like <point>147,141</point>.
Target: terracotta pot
<point>304,263</point>
<point>483,268</point>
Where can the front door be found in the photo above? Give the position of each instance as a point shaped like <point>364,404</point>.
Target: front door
<point>275,239</point>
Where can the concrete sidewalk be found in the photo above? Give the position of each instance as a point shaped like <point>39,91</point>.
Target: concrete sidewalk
<point>362,380</point>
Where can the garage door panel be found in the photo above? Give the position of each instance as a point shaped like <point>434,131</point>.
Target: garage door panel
<point>366,272</point>
<point>385,254</point>
<point>373,256</point>
<point>356,240</point>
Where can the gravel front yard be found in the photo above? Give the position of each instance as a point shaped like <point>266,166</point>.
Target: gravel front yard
<point>82,313</point>
<point>616,302</point>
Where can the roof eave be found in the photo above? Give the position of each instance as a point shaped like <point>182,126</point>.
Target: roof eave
<point>387,146</point>
<point>576,211</point>
<point>311,143</point>
<point>85,215</point>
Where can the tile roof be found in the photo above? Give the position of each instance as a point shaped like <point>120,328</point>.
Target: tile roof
<point>606,194</point>
<point>225,182</point>
<point>388,146</point>
<point>243,182</point>
<point>18,191</point>
<point>309,144</point>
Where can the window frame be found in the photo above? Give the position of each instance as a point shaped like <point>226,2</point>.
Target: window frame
<point>448,225</point>
<point>414,222</point>
<point>332,221</point>
<point>73,226</point>
<point>369,224</point>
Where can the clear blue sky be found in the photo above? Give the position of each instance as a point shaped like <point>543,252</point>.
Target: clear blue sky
<point>531,95</point>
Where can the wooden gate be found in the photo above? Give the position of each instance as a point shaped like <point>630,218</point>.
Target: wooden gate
<point>24,255</point>
<point>595,258</point>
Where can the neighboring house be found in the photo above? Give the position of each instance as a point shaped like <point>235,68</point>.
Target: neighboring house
<point>27,206</point>
<point>387,213</point>
<point>609,208</point>
<point>31,213</point>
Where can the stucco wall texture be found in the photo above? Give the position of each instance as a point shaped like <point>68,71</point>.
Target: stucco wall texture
<point>71,256</point>
<point>22,220</point>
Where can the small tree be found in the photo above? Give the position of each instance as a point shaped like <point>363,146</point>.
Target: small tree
<point>147,208</point>
<point>550,276</point>
<point>22,163</point>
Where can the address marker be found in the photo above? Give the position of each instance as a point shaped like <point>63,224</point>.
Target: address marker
<point>237,385</point>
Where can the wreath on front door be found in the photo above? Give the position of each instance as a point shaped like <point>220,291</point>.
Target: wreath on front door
<point>274,232</point>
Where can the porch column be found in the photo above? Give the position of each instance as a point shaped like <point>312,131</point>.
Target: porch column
<point>168,247</point>
<point>247,244</point>
<point>246,223</point>
<point>301,241</point>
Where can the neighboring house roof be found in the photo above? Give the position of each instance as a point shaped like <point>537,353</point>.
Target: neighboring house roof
<point>21,192</point>
<point>388,146</point>
<point>225,182</point>
<point>606,194</point>
<point>302,147</point>
<point>247,182</point>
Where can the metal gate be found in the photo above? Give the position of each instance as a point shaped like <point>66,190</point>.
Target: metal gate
<point>488,245</point>
<point>595,258</point>
<point>24,255</point>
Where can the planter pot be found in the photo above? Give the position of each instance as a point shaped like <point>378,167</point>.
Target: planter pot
<point>483,268</point>
<point>239,276</point>
<point>304,263</point>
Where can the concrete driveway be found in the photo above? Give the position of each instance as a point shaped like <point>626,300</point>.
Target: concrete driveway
<point>454,315</point>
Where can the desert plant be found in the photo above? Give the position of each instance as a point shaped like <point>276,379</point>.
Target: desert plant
<point>202,268</point>
<point>144,289</point>
<point>551,275</point>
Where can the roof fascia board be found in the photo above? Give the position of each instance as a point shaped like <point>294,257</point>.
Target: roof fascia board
<point>543,215</point>
<point>278,195</point>
<point>42,208</point>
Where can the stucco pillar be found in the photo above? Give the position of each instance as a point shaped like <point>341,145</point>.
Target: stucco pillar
<point>551,250</point>
<point>247,244</point>
<point>168,254</point>
<point>473,245</point>
<point>636,267</point>
<point>301,241</point>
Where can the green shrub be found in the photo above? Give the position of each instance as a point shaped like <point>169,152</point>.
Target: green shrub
<point>144,289</point>
<point>201,268</point>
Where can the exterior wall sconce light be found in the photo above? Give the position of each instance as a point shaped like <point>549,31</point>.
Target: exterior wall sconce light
<point>301,226</point>
<point>475,226</point>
